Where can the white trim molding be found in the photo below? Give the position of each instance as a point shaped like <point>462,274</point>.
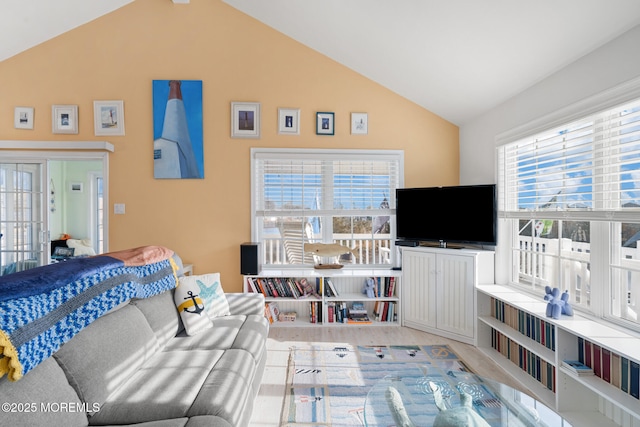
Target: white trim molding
<point>57,145</point>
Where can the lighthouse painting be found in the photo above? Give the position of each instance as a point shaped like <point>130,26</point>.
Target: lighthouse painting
<point>177,129</point>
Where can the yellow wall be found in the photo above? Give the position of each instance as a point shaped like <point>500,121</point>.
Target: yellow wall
<point>238,59</point>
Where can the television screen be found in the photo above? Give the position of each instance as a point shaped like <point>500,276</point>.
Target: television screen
<point>460,214</point>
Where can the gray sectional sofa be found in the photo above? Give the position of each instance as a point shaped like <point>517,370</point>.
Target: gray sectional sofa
<point>136,366</point>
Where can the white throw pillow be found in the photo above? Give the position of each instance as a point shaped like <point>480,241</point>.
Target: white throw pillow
<point>82,247</point>
<point>191,307</point>
<point>210,289</point>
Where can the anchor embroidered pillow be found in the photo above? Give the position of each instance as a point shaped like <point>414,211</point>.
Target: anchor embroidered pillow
<point>191,307</point>
<point>199,299</point>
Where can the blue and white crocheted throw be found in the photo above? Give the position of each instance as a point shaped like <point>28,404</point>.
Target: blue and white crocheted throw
<point>44,307</point>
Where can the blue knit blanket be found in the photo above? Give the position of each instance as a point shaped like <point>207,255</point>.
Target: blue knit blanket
<point>44,307</point>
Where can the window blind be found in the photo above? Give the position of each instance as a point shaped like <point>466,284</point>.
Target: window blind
<point>325,182</point>
<point>587,169</point>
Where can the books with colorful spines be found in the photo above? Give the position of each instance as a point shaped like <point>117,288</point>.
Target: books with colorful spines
<point>252,285</point>
<point>282,290</point>
<point>272,289</point>
<point>577,367</point>
<point>331,312</point>
<point>392,286</point>
<point>263,287</point>
<point>293,288</point>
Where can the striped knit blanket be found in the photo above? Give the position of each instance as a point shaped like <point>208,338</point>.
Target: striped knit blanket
<point>42,308</point>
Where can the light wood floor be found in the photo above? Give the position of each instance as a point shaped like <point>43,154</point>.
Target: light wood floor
<point>268,405</point>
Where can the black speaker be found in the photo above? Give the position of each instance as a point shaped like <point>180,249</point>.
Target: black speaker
<point>249,258</point>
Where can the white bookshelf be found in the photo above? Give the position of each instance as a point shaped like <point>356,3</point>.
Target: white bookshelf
<point>349,283</point>
<point>582,400</point>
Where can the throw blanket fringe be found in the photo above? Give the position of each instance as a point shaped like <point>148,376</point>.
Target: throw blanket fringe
<point>42,308</point>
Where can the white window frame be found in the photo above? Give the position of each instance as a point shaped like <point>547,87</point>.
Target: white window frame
<point>327,154</point>
<point>603,223</point>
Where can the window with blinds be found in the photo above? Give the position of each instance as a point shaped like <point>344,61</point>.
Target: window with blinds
<point>590,167</point>
<point>329,196</point>
<point>570,197</point>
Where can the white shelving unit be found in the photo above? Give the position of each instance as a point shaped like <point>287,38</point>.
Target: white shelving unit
<point>349,284</point>
<point>582,400</point>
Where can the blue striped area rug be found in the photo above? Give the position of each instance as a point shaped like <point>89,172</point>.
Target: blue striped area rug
<point>328,385</point>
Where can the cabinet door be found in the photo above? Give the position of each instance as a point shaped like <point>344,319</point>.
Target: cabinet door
<point>455,294</point>
<point>419,289</point>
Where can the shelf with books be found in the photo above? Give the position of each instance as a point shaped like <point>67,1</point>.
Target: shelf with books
<point>600,397</point>
<point>315,294</point>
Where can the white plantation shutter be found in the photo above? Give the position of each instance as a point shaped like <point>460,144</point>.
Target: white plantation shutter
<point>588,169</point>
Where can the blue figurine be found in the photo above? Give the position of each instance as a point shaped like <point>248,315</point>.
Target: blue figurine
<point>558,304</point>
<point>369,286</point>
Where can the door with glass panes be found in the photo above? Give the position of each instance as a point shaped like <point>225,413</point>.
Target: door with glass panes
<point>23,218</point>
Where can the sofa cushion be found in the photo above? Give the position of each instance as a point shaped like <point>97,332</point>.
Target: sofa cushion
<point>227,391</point>
<point>238,332</point>
<point>240,303</point>
<point>104,355</point>
<point>165,387</point>
<point>45,385</point>
<point>162,315</point>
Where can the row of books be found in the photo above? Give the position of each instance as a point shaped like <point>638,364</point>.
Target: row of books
<point>385,311</point>
<point>613,368</point>
<point>338,312</point>
<point>538,368</point>
<point>385,287</point>
<point>285,287</point>
<point>315,312</point>
<point>527,324</point>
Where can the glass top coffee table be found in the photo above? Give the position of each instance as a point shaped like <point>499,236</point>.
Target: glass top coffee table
<point>498,404</point>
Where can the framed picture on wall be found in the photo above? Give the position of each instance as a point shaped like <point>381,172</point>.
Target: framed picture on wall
<point>76,187</point>
<point>289,121</point>
<point>108,117</point>
<point>178,138</point>
<point>359,124</point>
<point>245,120</point>
<point>325,123</point>
<point>23,118</point>
<point>64,118</point>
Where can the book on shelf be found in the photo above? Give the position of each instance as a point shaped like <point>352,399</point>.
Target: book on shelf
<point>359,320</point>
<point>330,289</point>
<point>577,367</point>
<point>272,312</point>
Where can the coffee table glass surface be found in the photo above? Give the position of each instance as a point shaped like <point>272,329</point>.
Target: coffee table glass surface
<point>497,403</point>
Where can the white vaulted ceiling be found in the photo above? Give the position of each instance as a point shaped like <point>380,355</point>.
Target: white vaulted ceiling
<point>456,58</point>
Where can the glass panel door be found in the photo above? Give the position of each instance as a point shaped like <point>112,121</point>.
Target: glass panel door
<point>23,219</point>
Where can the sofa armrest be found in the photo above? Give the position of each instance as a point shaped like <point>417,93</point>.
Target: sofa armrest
<point>240,303</point>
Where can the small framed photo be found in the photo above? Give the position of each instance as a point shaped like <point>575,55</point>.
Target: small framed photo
<point>76,187</point>
<point>245,120</point>
<point>64,118</point>
<point>108,117</point>
<point>359,124</point>
<point>23,118</point>
<point>325,124</point>
<point>289,121</point>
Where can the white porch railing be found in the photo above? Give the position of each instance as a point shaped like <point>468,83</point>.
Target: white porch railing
<point>549,262</point>
<point>369,251</point>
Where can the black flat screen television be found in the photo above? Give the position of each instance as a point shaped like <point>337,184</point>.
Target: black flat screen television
<point>461,214</point>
